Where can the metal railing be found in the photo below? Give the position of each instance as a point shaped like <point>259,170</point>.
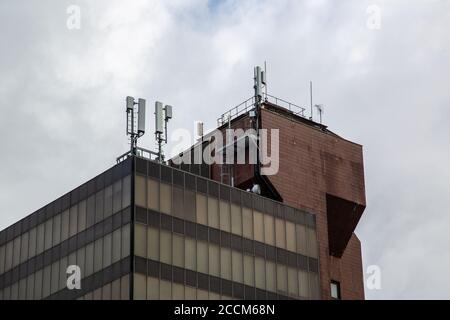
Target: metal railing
<point>249,105</point>
<point>140,152</point>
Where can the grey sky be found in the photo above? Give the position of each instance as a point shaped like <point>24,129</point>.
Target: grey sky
<point>62,101</point>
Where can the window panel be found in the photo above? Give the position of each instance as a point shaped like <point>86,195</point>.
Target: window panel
<point>258,226</point>
<point>177,291</point>
<point>225,216</point>
<point>152,288</point>
<point>202,257</point>
<point>82,216</point>
<point>117,196</point>
<point>190,293</point>
<point>115,289</point>
<point>153,194</point>
<point>23,248</point>
<point>213,212</point>
<point>16,253</point>
<point>107,250</point>
<point>30,287</point>
<point>99,198</point>
<point>290,237</point>
<point>178,202</point>
<point>55,277</point>
<point>125,288</point>
<point>271,279</point>
<point>140,240</point>
<point>126,192</point>
<point>165,198</point>
<point>63,264</point>
<point>117,244</point>
<point>260,273</point>
<point>202,209</point>
<point>126,243</point>
<point>38,284</point>
<point>9,252</point>
<point>15,291</point>
<point>166,247</point>
<point>48,234</point>
<point>314,285</point>
<point>32,243</point>
<point>236,219</point>
<point>98,254</point>
<point>178,250</point>
<point>300,233</point>
<point>46,281</point>
<point>225,263</point>
<point>153,243</point>
<point>281,279</point>
<point>22,289</point>
<point>247,222</point>
<point>65,225</point>
<point>249,270</point>
<point>312,242</point>
<point>292,282</point>
<point>140,286</point>
<point>106,292</point>
<point>56,237</point>
<point>189,205</point>
<point>2,258</point>
<point>214,260</point>
<point>280,233</point>
<point>89,268</point>
<point>190,254</point>
<point>238,266</point>
<point>165,290</point>
<point>303,284</point>
<point>73,220</point>
<point>269,229</point>
<point>108,209</point>
<point>140,191</point>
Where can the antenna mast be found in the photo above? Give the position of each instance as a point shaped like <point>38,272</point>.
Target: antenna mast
<point>162,117</point>
<point>135,130</point>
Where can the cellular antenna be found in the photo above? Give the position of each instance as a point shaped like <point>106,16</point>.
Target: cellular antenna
<point>135,121</point>
<point>162,116</point>
<point>320,109</point>
<point>311,99</point>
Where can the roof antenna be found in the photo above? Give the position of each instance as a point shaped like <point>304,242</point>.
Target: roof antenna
<point>162,117</point>
<point>311,99</point>
<point>135,130</point>
<point>321,110</point>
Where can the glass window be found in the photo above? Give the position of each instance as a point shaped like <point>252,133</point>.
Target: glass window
<point>140,240</point>
<point>225,216</point>
<point>213,212</point>
<point>153,244</point>
<point>56,238</point>
<point>117,244</point>
<point>153,194</point>
<point>178,202</point>
<point>314,285</point>
<point>15,291</point>
<point>202,294</point>
<point>312,242</point>
<point>82,216</point>
<point>125,288</point>
<point>98,254</point>
<point>269,229</point>
<point>258,225</point>
<point>177,291</point>
<point>117,196</point>
<point>55,277</point>
<point>247,222</point>
<point>165,290</point>
<point>292,282</point>
<point>107,250</point>
<point>126,192</point>
<point>153,288</point>
<point>47,281</point>
<point>98,206</point>
<point>106,292</point>
<point>281,279</point>
<point>166,247</point>
<point>202,209</point>
<point>16,253</point>
<point>126,243</point>
<point>9,254</point>
<point>249,270</point>
<point>225,263</point>
<point>271,279</point>
<point>90,211</point>
<point>280,233</point>
<point>73,220</point>
<point>2,259</point>
<point>65,225</point>
<point>63,264</point>
<point>300,233</point>
<point>189,205</point>
<point>32,243</point>
<point>214,260</point>
<point>190,293</point>
<point>178,250</point>
<point>236,219</point>
<point>30,287</point>
<point>40,239</point>
<point>290,236</point>
<point>48,234</point>
<point>22,288</point>
<point>303,284</point>
<point>335,289</point>
<point>165,198</point>
<point>89,268</point>
<point>260,273</point>
<point>190,254</point>
<point>23,248</point>
<point>108,201</point>
<point>140,192</point>
<point>115,289</point>
<point>202,257</point>
<point>140,286</point>
<point>38,284</point>
<point>238,266</point>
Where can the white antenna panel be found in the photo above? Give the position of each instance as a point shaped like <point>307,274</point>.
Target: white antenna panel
<point>159,117</point>
<point>168,114</point>
<point>141,116</point>
<point>200,129</point>
<point>130,103</point>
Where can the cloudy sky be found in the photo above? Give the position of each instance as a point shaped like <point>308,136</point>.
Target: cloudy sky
<point>384,84</point>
